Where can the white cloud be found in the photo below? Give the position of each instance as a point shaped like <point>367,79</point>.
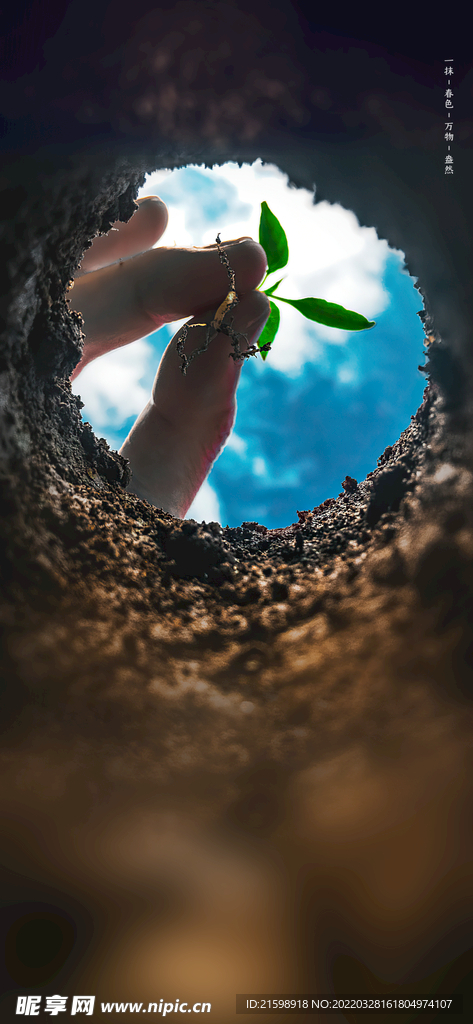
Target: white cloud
<point>259,466</point>
<point>347,374</point>
<point>205,507</point>
<point>236,443</point>
<point>110,386</point>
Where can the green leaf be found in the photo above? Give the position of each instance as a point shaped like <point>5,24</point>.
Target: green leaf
<point>329,313</point>
<point>273,239</point>
<point>269,291</point>
<point>270,329</point>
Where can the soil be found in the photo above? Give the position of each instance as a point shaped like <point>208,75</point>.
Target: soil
<point>234,760</point>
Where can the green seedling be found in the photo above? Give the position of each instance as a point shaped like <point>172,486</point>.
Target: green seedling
<point>273,239</point>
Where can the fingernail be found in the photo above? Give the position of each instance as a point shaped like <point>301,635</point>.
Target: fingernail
<point>235,241</point>
<point>227,241</point>
<point>242,238</point>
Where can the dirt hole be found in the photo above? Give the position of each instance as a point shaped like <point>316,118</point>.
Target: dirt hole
<point>326,403</point>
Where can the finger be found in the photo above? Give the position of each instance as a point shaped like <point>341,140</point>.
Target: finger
<point>179,434</point>
<point>180,282</point>
<point>129,300</point>
<point>144,229</point>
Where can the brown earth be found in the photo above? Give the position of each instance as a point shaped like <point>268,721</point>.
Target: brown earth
<point>234,760</point>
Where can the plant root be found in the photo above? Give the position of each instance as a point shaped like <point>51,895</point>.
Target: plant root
<point>218,326</point>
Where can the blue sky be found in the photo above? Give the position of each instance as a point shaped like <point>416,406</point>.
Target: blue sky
<point>326,402</point>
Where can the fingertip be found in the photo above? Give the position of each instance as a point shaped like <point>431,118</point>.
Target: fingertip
<point>132,238</point>
<point>257,307</point>
<point>149,205</point>
<point>154,213</point>
<point>249,261</point>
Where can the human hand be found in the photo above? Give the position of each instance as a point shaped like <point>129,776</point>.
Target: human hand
<point>126,290</point>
